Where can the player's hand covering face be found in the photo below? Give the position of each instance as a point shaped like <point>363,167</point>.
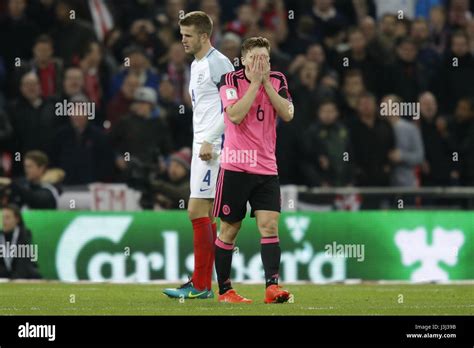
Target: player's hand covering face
<point>258,62</point>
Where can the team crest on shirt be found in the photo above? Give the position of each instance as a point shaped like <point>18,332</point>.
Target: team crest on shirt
<point>200,78</point>
<point>231,94</point>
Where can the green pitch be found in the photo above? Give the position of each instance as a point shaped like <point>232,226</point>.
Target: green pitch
<point>114,299</point>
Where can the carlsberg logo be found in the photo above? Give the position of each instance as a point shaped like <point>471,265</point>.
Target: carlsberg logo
<point>444,248</point>
<point>85,230</point>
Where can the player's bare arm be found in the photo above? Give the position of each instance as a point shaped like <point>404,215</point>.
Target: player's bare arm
<point>282,105</point>
<point>239,110</point>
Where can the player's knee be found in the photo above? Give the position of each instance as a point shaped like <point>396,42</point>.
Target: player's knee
<point>268,227</point>
<point>228,233</point>
<point>196,213</point>
<point>192,213</point>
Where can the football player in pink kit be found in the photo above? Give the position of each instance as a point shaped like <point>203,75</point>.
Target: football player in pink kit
<point>252,98</point>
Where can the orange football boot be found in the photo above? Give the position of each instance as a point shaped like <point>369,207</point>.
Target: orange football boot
<point>230,296</point>
<point>275,294</point>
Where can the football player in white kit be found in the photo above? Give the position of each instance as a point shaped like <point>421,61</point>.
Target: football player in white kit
<point>208,124</point>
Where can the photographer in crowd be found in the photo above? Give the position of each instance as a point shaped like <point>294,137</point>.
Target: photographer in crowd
<point>140,134</point>
<point>38,189</point>
<point>172,192</point>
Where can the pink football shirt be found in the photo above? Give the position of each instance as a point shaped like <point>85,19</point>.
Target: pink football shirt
<point>250,146</point>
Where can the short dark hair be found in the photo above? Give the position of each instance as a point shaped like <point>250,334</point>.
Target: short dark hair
<point>16,212</point>
<point>44,38</point>
<point>253,42</point>
<point>405,40</point>
<point>200,20</point>
<point>354,30</point>
<point>460,33</point>
<point>39,157</point>
<point>327,100</point>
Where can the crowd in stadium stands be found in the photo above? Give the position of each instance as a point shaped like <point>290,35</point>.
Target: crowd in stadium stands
<point>342,58</point>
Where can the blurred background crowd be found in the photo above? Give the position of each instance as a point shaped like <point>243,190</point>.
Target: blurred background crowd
<point>342,58</point>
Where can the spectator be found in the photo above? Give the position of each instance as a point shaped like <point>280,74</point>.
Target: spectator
<point>352,89</point>
<point>375,45</point>
<point>408,152</point>
<point>387,32</point>
<point>96,73</point>
<point>173,191</point>
<point>274,19</point>
<point>82,149</point>
<point>304,92</point>
<point>177,71</point>
<point>246,23</point>
<point>70,35</point>
<point>6,130</point>
<point>459,13</point>
<point>438,28</point>
<point>48,68</point>
<point>119,105</point>
<point>328,21</point>
<point>358,57</point>
<point>17,34</point>
<point>39,189</point>
<point>6,133</point>
<point>142,34</point>
<point>32,117</point>
<point>314,53</point>
<point>73,83</point>
<point>230,47</point>
<point>402,29</point>
<point>427,54</point>
<point>15,233</point>
<point>406,77</point>
<point>456,73</point>
<point>170,17</point>
<point>462,131</point>
<point>138,134</point>
<point>178,117</point>
<point>438,164</point>
<point>129,11</point>
<point>303,36</point>
<point>213,9</point>
<point>326,143</point>
<point>289,152</point>
<point>136,62</point>
<point>372,139</point>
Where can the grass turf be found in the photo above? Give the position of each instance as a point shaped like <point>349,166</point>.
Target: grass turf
<point>117,299</point>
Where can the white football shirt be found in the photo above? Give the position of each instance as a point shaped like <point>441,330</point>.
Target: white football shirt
<point>208,117</point>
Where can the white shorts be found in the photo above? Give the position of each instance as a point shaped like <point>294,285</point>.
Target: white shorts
<point>204,174</point>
